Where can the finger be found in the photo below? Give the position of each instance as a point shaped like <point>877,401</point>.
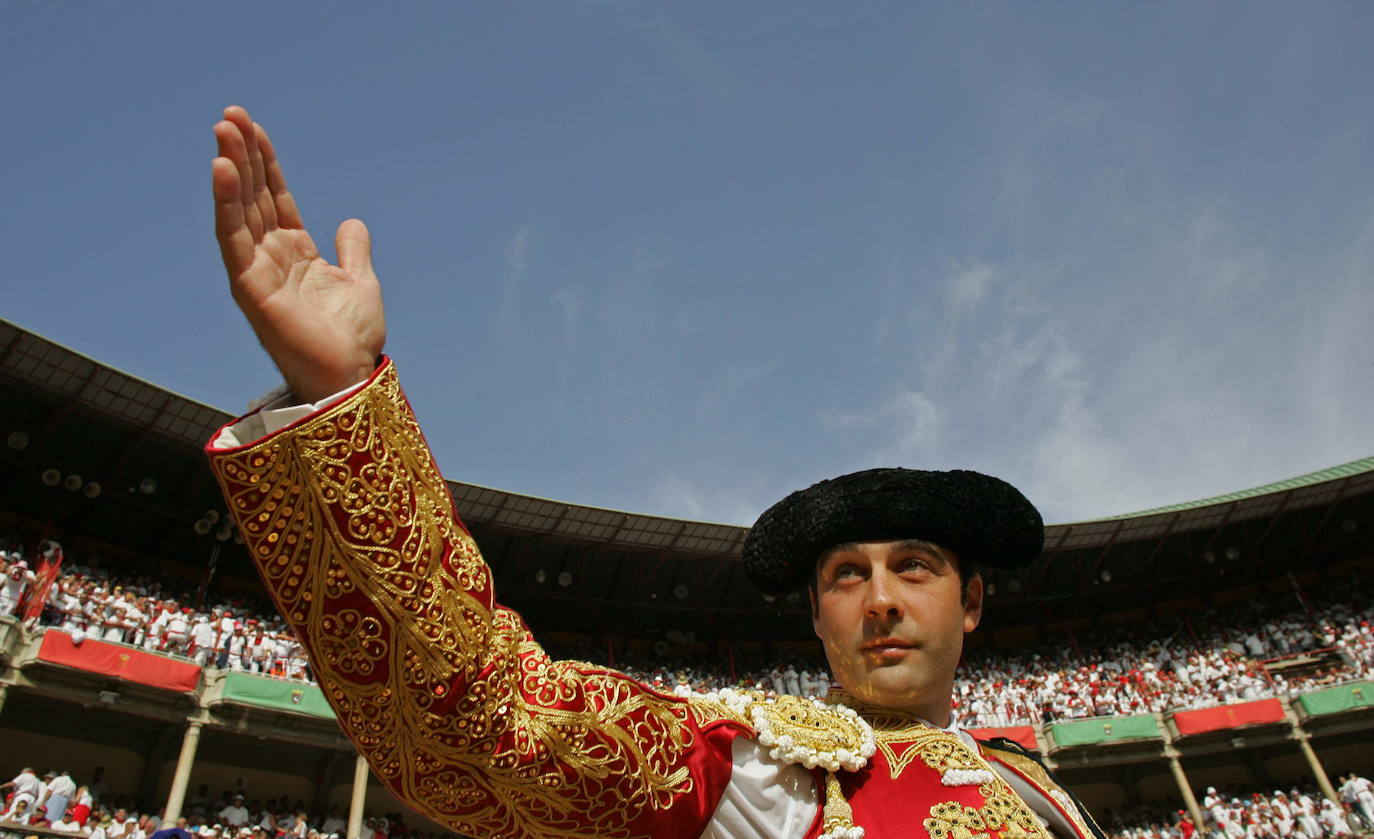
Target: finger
<point>236,244</point>
<point>254,186</point>
<point>353,244</point>
<point>232,148</point>
<point>237,151</point>
<point>288,215</point>
<point>262,199</point>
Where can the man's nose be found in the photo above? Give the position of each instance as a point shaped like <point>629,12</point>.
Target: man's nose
<point>881,601</point>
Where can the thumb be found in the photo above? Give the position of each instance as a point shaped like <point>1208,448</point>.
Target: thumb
<point>353,244</point>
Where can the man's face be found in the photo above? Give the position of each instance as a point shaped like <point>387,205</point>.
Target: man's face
<point>892,617</point>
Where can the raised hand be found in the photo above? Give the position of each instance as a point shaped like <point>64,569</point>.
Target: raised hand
<point>321,323</point>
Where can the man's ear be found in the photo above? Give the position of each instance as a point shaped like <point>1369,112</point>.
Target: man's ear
<point>815,610</point>
<point>973,602</point>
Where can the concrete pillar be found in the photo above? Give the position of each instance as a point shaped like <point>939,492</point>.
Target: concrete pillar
<point>1318,771</point>
<point>1185,789</point>
<point>182,776</point>
<point>355,807</point>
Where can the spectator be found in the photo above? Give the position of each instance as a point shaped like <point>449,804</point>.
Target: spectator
<point>16,580</point>
<point>26,788</point>
<point>65,823</point>
<point>59,793</point>
<point>19,812</point>
<point>82,802</point>
<point>234,815</point>
<point>334,823</point>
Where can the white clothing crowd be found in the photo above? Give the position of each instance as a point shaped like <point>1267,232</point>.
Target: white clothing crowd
<point>143,612</point>
<point>1230,814</point>
<point>1214,658</point>
<point>53,798</point>
<point>55,802</point>
<point>1217,658</point>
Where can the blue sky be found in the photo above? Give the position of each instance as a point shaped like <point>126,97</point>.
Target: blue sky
<point>685,258</point>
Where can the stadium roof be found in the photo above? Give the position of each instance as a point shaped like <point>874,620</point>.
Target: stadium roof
<point>85,416</point>
<point>1345,470</point>
<point>79,379</point>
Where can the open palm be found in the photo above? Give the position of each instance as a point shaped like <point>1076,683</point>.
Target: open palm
<point>322,324</point>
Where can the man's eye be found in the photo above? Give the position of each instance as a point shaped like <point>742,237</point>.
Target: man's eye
<point>914,564</point>
<point>845,571</point>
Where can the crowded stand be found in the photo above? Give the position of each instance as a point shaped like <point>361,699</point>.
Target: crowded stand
<point>56,803</point>
<point>1233,813</point>
<point>1216,657</point>
<point>152,612</point>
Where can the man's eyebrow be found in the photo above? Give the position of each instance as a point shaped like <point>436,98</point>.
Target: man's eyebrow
<point>902,545</point>
<point>922,545</point>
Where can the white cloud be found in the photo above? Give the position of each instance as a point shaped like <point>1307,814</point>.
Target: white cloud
<point>679,497</point>
<point>967,288</point>
<point>517,251</point>
<point>735,378</point>
<point>690,58</point>
<point>568,301</point>
<point>518,255</point>
<point>915,425</point>
<point>1196,372</point>
<point>685,323</point>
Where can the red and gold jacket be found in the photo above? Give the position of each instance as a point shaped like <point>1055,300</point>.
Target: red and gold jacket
<point>463,715</point>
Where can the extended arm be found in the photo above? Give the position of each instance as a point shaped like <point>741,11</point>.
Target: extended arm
<point>456,707</point>
<point>460,713</point>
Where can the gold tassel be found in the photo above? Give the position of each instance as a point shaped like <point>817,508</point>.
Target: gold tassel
<point>839,816</point>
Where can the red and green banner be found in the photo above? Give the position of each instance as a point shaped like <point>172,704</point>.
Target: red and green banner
<point>119,661</point>
<point>1338,699</point>
<point>1105,730</point>
<point>1260,712</point>
<point>277,694</point>
<point>1023,735</point>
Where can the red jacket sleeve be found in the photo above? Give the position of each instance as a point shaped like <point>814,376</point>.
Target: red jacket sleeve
<point>456,707</point>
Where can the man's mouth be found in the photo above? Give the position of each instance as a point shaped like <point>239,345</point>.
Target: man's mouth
<point>887,644</point>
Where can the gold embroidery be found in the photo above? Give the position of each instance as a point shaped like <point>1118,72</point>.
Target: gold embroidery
<point>939,750</point>
<point>706,709</point>
<point>1040,777</point>
<point>1005,811</point>
<point>899,754</point>
<point>811,726</point>
<point>1002,811</point>
<point>952,820</point>
<point>455,706</point>
<point>903,738</point>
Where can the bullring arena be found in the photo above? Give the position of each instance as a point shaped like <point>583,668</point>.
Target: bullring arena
<point>1212,660</point>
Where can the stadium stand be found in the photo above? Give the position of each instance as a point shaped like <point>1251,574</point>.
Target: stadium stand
<point>1223,642</point>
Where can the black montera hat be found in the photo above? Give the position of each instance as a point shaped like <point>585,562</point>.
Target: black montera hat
<point>983,519</point>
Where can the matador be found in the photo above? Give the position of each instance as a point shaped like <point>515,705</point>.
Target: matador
<point>461,713</point>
